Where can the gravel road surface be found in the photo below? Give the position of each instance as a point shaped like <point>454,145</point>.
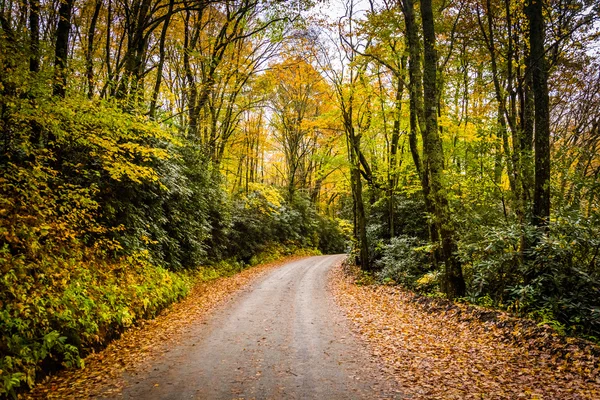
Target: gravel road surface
<point>282,337</point>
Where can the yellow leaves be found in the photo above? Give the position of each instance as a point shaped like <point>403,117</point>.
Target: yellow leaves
<point>147,240</point>
<point>271,196</point>
<point>427,279</point>
<point>346,226</point>
<point>123,144</point>
<point>134,172</point>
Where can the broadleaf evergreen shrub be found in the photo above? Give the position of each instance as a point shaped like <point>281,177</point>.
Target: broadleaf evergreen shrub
<point>556,280</point>
<point>406,260</point>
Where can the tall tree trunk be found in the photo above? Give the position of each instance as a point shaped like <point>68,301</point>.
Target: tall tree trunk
<point>539,72</point>
<point>109,86</point>
<point>528,125</point>
<point>189,44</point>
<point>453,284</point>
<point>516,133</point>
<point>417,115</point>
<point>34,59</point>
<point>133,61</point>
<point>34,32</point>
<point>61,48</point>
<point>506,117</point>
<point>393,174</point>
<point>360,219</point>
<point>89,53</point>
<point>502,112</point>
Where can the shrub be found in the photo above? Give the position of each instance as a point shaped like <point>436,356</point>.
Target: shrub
<point>56,310</point>
<point>262,218</point>
<point>406,261</point>
<point>409,215</point>
<point>557,279</point>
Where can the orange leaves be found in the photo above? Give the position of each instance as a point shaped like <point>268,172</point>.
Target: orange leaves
<point>455,352</point>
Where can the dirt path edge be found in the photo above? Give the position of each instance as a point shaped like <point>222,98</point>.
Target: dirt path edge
<point>103,373</point>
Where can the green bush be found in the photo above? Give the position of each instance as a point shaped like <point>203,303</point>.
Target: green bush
<point>407,261</point>
<point>557,279</point>
<point>409,216</point>
<point>262,218</point>
<point>55,312</point>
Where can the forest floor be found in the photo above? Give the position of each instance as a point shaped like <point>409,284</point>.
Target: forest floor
<point>440,350</point>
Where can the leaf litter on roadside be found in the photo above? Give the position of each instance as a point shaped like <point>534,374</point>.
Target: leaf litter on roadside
<point>447,352</point>
<point>103,372</point>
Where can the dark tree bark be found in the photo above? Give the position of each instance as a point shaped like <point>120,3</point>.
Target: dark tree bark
<point>528,126</point>
<point>539,74</point>
<point>109,86</point>
<point>453,283</point>
<point>356,184</point>
<point>136,23</point>
<point>354,154</point>
<point>7,88</point>
<point>393,175</point>
<point>502,113</point>
<point>516,133</point>
<point>61,48</point>
<point>34,58</point>
<point>417,115</point>
<point>34,32</point>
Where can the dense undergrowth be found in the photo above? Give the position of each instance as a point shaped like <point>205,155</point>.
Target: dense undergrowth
<point>555,280</point>
<point>107,218</point>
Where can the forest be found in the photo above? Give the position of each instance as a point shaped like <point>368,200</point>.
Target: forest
<point>450,146</point>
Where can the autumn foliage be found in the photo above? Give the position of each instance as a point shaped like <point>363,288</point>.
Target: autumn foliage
<point>146,143</point>
<point>107,213</point>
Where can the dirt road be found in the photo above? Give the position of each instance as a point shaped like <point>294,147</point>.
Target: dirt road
<point>281,338</point>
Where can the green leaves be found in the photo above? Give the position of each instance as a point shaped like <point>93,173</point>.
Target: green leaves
<point>555,281</point>
<point>55,323</point>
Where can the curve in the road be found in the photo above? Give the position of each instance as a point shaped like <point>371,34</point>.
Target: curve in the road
<point>281,338</point>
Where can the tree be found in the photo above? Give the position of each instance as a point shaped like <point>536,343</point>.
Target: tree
<point>347,82</point>
<point>61,47</point>
<point>298,100</point>
<point>539,72</point>
<point>454,284</point>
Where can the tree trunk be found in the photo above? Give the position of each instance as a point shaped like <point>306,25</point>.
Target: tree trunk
<point>189,43</point>
<point>539,72</point>
<point>109,73</point>
<point>393,175</point>
<point>135,28</point>
<point>360,220</point>
<point>89,54</point>
<point>502,112</point>
<point>528,124</point>
<point>34,32</point>
<point>417,115</point>
<point>453,283</point>
<point>62,47</point>
<point>161,59</point>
